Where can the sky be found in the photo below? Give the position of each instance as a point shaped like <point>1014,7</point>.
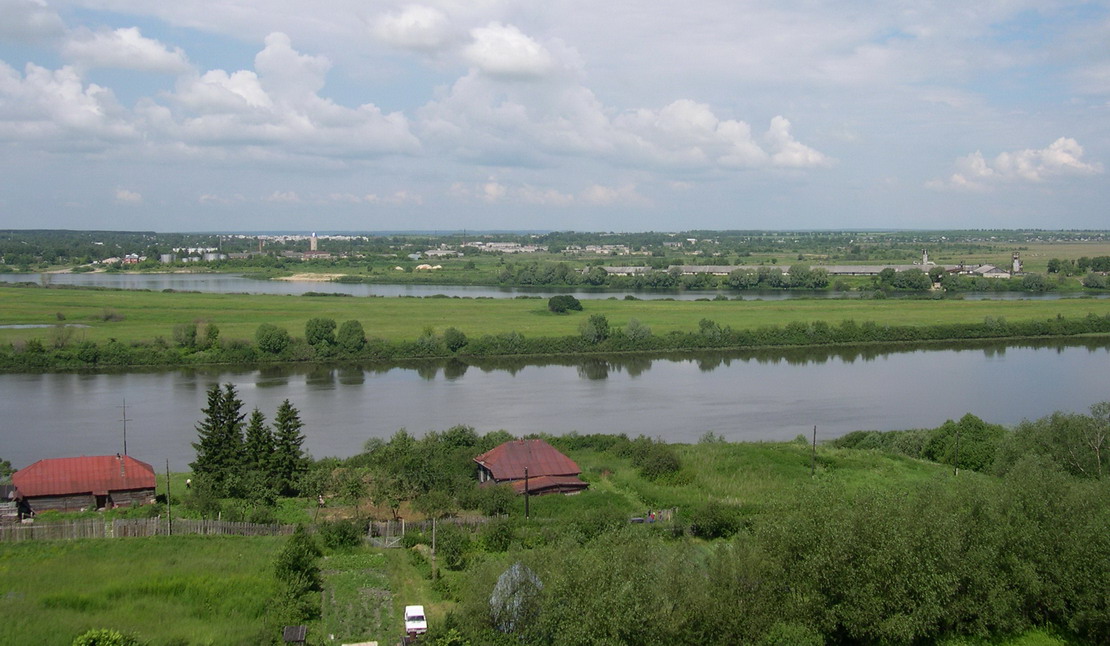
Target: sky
<point>360,115</point>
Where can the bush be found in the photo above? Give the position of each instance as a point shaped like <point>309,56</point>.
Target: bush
<point>105,637</point>
<point>271,338</point>
<point>714,520</point>
<point>340,534</point>
<point>562,303</point>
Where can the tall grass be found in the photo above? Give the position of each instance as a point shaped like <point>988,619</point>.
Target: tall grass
<point>179,589</point>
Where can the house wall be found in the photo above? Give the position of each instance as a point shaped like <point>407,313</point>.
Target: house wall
<point>77,502</point>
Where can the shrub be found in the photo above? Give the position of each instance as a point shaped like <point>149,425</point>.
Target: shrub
<point>105,637</point>
<point>714,520</point>
<point>271,338</point>
<point>340,534</point>
<point>562,303</point>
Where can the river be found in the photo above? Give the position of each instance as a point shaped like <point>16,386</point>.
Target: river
<point>749,396</point>
<point>237,284</point>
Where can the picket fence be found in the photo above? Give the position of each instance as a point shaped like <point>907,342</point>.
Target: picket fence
<point>134,527</point>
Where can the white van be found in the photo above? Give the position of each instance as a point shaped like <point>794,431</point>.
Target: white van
<point>415,623</point>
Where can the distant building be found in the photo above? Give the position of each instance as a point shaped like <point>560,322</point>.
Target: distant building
<point>90,482</point>
<point>548,470</point>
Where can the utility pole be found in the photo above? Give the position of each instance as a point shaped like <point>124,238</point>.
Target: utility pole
<point>526,496</point>
<point>813,456</point>
<point>433,548</point>
<point>956,458</point>
<point>169,509</point>
<point>125,420</point>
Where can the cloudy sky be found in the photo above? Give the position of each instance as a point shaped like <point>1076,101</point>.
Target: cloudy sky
<point>233,115</point>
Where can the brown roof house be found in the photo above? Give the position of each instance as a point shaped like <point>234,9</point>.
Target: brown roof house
<point>91,482</point>
<point>548,470</point>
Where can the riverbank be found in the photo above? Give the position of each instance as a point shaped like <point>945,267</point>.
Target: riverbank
<point>129,328</point>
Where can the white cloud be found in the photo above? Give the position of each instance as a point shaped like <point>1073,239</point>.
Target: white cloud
<point>493,191</point>
<point>56,106</point>
<point>1063,157</point>
<point>28,21</point>
<point>124,48</point>
<point>417,27</point>
<point>504,51</point>
<point>608,195</point>
<point>283,197</point>
<point>125,196</point>
<point>788,152</point>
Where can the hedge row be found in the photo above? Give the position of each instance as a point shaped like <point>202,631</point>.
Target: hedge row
<point>36,355</point>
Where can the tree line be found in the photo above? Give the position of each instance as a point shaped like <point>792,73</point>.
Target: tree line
<point>324,340</point>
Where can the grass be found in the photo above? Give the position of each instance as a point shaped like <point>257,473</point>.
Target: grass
<point>214,590</point>
<point>179,589</point>
<point>144,316</point>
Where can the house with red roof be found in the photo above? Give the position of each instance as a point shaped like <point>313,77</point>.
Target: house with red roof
<point>534,465</point>
<point>89,482</point>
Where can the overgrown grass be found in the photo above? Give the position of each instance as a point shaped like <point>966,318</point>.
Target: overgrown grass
<point>180,589</point>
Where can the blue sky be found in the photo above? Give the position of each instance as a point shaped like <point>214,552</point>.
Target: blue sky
<point>500,114</point>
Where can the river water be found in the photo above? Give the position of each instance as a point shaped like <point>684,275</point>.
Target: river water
<point>742,396</point>
<point>237,284</point>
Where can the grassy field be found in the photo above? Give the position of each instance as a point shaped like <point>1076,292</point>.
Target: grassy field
<point>144,316</point>
<point>181,589</point>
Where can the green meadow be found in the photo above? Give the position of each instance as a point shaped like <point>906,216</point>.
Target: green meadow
<point>144,316</point>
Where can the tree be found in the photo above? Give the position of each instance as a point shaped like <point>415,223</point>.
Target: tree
<point>351,337</point>
<point>289,461</point>
<point>562,303</point>
<point>637,331</point>
<point>271,338</point>
<point>595,329</point>
<point>220,435</point>
<point>454,339</point>
<point>320,331</point>
<point>258,449</point>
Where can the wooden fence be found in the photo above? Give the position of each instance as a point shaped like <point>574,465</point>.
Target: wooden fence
<point>134,527</point>
<point>389,533</point>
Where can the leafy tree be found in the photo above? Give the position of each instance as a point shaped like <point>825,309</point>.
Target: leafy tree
<point>220,435</point>
<point>637,331</point>
<point>595,329</point>
<point>6,470</point>
<point>561,303</point>
<point>351,337</point>
<point>289,461</point>
<point>454,339</point>
<point>271,338</point>
<point>320,331</point>
<point>185,335</point>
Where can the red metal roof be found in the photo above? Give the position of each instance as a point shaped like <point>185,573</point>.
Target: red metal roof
<point>507,461</point>
<point>97,474</point>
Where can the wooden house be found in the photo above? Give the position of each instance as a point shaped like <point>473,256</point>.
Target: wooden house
<point>531,464</point>
<point>89,482</point>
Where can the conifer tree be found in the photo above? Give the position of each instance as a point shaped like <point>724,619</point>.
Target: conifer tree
<point>289,460</point>
<point>220,436</point>
<point>258,450</point>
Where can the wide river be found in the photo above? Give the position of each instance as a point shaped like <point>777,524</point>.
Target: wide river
<point>741,396</point>
<point>237,284</point>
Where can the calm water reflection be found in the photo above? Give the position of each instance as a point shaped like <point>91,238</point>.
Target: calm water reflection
<point>742,396</point>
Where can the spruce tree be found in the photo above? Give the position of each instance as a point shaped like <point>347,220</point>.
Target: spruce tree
<point>289,460</point>
<point>220,436</point>
<point>258,450</point>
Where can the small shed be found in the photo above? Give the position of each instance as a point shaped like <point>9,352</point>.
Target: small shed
<point>88,482</point>
<point>548,470</point>
<point>12,506</point>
